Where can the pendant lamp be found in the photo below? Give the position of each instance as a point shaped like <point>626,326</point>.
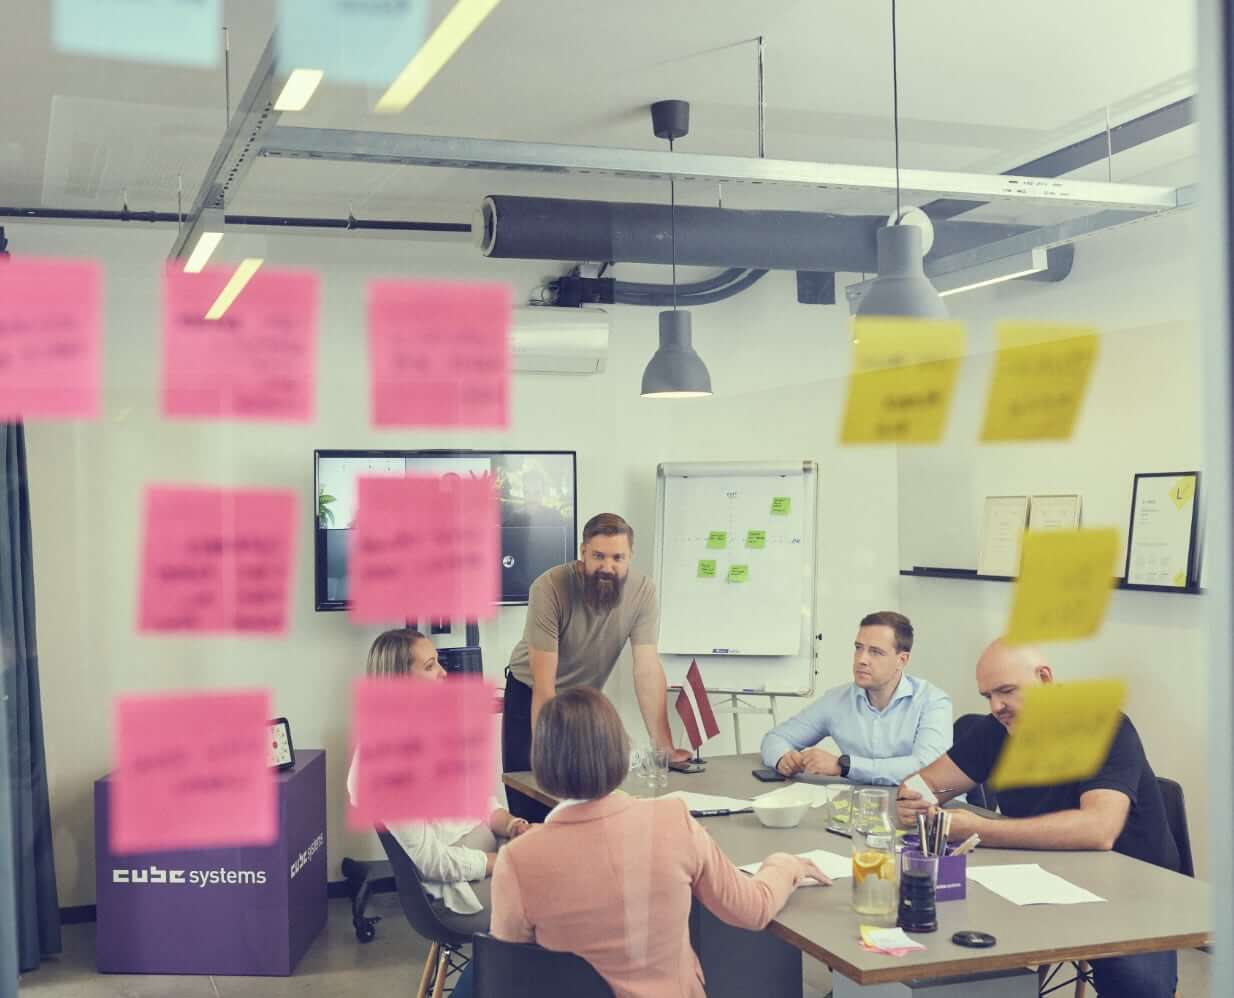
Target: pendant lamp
<point>901,287</point>
<point>675,370</point>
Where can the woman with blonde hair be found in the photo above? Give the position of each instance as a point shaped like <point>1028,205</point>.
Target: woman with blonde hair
<point>455,858</point>
<point>610,877</point>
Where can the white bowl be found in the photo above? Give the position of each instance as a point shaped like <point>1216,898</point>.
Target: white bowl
<point>780,813</point>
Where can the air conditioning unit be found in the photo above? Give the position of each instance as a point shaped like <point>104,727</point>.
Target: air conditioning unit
<point>546,339</point>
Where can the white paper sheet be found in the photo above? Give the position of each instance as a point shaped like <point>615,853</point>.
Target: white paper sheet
<point>709,802</point>
<point>1028,883</point>
<point>815,793</point>
<point>915,782</point>
<point>831,864</point>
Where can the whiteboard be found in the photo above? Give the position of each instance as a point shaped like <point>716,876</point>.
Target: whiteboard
<point>735,573</point>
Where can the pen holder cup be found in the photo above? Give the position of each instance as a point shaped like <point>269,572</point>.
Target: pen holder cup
<point>952,873</point>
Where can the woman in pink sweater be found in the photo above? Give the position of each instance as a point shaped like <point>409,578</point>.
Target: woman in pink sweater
<point>610,877</point>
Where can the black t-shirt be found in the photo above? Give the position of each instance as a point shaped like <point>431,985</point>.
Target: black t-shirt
<point>1146,835</point>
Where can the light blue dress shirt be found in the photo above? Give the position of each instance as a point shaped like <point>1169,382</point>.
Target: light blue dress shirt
<point>883,746</point>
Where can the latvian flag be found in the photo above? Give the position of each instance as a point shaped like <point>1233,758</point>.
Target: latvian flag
<point>700,708</point>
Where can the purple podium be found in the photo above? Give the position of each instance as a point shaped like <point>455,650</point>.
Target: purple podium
<point>251,911</point>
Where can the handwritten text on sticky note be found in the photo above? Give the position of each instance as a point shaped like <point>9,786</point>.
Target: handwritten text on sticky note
<point>217,560</point>
<point>439,353</point>
<point>49,339</point>
<point>717,539</point>
<point>756,539</point>
<point>738,573</point>
<point>903,377</point>
<point>423,750</point>
<point>1062,734</point>
<point>361,41</point>
<point>185,32</point>
<point>257,362</point>
<point>425,547</point>
<point>1041,375</point>
<point>707,569</point>
<point>781,505</point>
<point>191,771</point>
<point>1064,585</point>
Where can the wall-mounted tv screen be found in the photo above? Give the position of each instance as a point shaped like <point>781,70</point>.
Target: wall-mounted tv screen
<point>536,493</point>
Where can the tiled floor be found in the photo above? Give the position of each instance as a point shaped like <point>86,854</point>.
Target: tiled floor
<point>338,967</point>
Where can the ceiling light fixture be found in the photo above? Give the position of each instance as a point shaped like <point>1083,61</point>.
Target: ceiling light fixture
<point>448,37</point>
<point>675,370</point>
<point>298,90</point>
<point>231,291</point>
<point>995,272</point>
<point>208,239</point>
<point>901,287</point>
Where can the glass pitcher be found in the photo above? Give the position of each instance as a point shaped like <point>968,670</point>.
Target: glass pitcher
<point>874,857</point>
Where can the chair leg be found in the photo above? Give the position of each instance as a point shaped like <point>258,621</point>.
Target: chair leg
<point>429,961</point>
<point>1081,984</point>
<point>442,966</point>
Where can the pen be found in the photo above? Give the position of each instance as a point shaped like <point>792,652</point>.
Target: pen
<point>943,790</point>
<point>720,812</point>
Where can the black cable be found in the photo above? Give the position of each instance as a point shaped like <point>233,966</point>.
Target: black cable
<point>693,288</point>
<point>895,105</point>
<point>665,298</point>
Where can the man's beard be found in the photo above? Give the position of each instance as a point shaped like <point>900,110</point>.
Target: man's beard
<point>602,593</point>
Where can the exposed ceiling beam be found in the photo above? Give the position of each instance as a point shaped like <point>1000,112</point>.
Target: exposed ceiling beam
<point>347,146</point>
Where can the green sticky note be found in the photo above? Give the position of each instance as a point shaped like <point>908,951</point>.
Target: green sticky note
<point>717,540</point>
<point>738,573</point>
<point>756,538</point>
<point>781,505</point>
<point>706,569</point>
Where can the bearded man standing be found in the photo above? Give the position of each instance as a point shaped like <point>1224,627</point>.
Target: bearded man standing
<point>579,617</point>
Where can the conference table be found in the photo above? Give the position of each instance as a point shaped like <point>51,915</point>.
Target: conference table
<point>1146,909</point>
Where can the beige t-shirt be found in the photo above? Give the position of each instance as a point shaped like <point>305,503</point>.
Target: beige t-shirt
<point>587,641</point>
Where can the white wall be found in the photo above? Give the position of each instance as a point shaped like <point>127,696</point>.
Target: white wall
<point>1143,413</point>
<point>776,366</point>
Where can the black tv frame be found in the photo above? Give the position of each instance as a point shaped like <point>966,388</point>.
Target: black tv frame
<point>322,605</point>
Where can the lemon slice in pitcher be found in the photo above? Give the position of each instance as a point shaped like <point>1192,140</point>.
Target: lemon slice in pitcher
<point>866,864</point>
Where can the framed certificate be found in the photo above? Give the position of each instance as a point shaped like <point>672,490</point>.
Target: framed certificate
<point>1053,512</point>
<point>1005,519</point>
<point>1161,537</point>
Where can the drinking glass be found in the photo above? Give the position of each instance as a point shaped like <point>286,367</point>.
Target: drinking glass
<point>874,857</point>
<point>655,770</point>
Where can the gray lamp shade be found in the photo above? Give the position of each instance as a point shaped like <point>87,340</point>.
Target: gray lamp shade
<point>901,287</point>
<point>675,370</point>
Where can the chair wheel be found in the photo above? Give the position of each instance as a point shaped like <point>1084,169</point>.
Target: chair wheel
<point>366,929</point>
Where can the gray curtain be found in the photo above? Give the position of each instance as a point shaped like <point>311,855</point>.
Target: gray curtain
<point>34,869</point>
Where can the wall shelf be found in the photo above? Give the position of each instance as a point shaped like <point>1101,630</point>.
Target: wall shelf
<point>970,575</point>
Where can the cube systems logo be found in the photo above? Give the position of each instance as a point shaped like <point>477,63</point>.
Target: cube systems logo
<point>306,857</point>
<point>198,878</point>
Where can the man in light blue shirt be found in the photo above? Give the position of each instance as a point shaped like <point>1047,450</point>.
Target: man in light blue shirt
<point>887,724</point>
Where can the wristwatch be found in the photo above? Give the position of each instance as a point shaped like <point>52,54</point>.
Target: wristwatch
<point>845,762</point>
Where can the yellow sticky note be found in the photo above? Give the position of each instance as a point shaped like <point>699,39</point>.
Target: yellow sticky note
<point>1040,378</point>
<point>903,377</point>
<point>1064,584</point>
<point>1062,734</point>
<point>1182,491</point>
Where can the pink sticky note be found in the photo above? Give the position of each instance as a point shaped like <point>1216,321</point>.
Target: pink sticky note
<point>217,560</point>
<point>257,362</point>
<point>191,771</point>
<point>424,547</point>
<point>50,335</point>
<point>424,750</point>
<point>439,353</point>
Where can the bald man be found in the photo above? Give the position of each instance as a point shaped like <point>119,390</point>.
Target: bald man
<point>1119,807</point>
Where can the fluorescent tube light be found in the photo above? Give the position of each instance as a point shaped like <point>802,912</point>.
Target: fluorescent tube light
<point>298,90</point>
<point>244,273</point>
<point>995,272</point>
<point>456,27</point>
<point>207,242</point>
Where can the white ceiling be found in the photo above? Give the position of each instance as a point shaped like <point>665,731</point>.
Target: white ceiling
<point>983,85</point>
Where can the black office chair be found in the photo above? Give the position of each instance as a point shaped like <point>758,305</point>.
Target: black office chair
<point>982,795</point>
<point>1176,818</point>
<point>445,956</point>
<point>364,876</point>
<point>525,970</point>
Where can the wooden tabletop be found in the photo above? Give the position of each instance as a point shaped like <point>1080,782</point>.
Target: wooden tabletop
<point>1146,909</point>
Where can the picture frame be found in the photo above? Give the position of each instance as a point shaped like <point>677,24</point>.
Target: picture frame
<point>1002,531</point>
<point>1162,531</point>
<point>1054,512</point>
